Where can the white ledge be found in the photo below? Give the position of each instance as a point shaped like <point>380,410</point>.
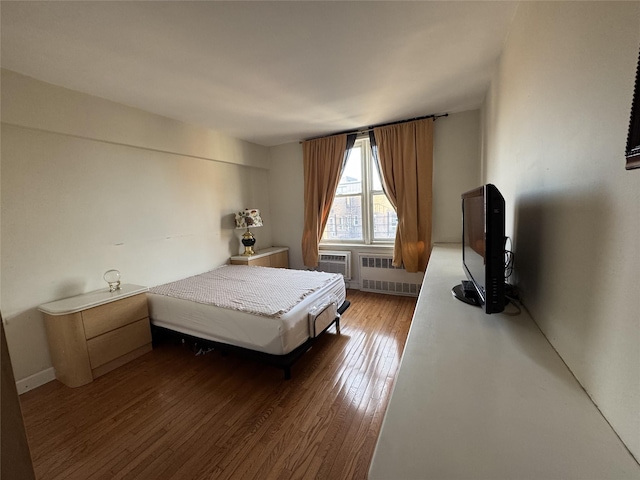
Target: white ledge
<point>78,303</point>
<point>486,397</point>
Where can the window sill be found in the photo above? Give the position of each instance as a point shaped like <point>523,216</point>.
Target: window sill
<point>347,246</point>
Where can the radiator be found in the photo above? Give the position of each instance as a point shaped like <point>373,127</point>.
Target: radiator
<point>377,274</point>
<point>335,262</point>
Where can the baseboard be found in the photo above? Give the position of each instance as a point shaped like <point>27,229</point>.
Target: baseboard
<point>35,380</point>
<point>352,284</point>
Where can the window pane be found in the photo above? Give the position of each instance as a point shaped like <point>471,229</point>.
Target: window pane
<point>376,182</point>
<point>345,219</point>
<point>385,220</point>
<point>351,179</point>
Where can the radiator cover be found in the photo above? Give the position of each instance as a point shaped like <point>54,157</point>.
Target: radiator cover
<point>377,274</point>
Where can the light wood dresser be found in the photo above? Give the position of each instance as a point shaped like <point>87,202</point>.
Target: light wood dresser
<point>276,257</point>
<point>94,333</point>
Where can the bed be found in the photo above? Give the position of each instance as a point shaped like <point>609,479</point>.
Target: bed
<point>271,314</point>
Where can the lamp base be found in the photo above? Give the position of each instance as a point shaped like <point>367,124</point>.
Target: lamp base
<point>248,240</point>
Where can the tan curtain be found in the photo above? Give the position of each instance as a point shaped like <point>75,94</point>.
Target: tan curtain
<point>405,154</point>
<point>323,161</point>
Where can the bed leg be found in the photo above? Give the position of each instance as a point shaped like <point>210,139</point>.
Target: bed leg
<point>287,373</point>
<point>338,325</point>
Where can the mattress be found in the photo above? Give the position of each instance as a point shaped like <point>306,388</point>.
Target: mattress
<point>277,334</point>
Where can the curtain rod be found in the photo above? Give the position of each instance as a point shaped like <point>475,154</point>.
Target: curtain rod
<point>368,129</point>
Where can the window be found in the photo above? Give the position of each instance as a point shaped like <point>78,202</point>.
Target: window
<point>361,212</point>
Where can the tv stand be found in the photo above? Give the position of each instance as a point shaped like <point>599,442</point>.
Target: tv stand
<point>484,396</point>
<point>465,292</point>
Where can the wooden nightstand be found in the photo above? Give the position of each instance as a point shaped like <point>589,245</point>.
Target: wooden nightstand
<point>94,333</point>
<point>277,257</point>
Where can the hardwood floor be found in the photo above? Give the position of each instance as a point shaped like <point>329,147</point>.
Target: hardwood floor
<point>173,415</point>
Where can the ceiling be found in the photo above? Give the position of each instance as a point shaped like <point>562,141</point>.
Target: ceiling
<point>265,72</point>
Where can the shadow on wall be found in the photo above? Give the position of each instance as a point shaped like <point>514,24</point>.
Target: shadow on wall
<point>561,242</point>
<point>70,287</point>
<point>228,222</point>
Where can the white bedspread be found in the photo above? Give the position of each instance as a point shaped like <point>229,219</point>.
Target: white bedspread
<point>269,292</point>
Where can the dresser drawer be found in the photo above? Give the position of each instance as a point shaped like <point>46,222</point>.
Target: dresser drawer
<point>260,262</point>
<point>277,257</point>
<point>280,260</point>
<point>111,345</point>
<point>110,316</point>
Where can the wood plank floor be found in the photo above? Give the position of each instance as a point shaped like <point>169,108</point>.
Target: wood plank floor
<point>173,415</point>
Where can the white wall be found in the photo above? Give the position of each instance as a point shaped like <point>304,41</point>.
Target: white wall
<point>556,120</point>
<point>286,191</point>
<point>89,185</point>
<point>456,164</point>
<point>456,169</point>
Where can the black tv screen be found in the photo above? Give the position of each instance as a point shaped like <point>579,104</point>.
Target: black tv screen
<point>483,241</point>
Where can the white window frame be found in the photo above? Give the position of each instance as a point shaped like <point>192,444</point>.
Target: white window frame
<point>366,200</point>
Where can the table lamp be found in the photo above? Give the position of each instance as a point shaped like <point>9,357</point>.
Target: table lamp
<point>249,217</point>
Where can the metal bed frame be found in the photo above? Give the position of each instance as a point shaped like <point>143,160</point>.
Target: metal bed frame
<point>285,362</point>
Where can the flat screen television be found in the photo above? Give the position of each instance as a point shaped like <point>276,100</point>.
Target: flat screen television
<point>483,249</point>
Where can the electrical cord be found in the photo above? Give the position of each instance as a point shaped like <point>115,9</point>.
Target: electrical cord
<point>512,292</point>
<point>508,259</point>
<point>516,304</point>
